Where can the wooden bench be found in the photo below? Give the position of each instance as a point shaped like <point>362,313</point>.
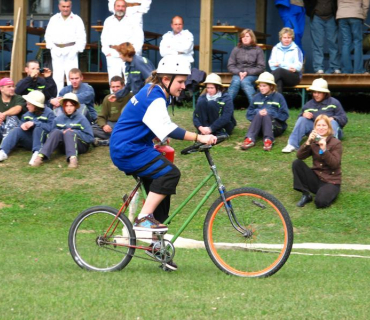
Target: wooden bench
<point>217,55</point>
<point>301,89</point>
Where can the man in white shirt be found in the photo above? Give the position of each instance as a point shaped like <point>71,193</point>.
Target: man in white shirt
<point>135,10</point>
<point>177,41</point>
<point>119,29</point>
<point>65,36</point>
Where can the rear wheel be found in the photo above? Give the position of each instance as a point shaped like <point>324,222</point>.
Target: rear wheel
<point>95,248</point>
<point>256,242</point>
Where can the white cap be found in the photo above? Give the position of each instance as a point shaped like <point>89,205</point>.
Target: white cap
<point>36,98</point>
<point>70,96</point>
<point>319,85</point>
<point>266,77</point>
<point>213,78</point>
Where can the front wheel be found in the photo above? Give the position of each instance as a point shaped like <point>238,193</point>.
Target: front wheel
<point>255,241</point>
<point>99,242</point>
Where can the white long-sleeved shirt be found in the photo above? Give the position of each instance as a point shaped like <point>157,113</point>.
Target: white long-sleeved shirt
<point>173,44</point>
<point>135,13</point>
<point>116,32</point>
<point>60,31</point>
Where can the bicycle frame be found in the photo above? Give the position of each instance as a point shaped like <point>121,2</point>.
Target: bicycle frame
<point>217,184</point>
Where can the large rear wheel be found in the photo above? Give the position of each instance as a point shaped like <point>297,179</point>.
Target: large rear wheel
<point>98,242</point>
<point>256,241</point>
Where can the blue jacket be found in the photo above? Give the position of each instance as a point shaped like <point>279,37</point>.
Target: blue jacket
<point>137,71</point>
<point>205,110</point>
<point>78,123</point>
<point>44,121</point>
<point>329,106</point>
<point>275,105</point>
<point>131,143</point>
<point>85,95</point>
<point>286,57</point>
<point>46,85</point>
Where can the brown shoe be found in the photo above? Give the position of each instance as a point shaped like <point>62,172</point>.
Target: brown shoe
<point>247,143</point>
<point>73,162</point>
<point>37,162</point>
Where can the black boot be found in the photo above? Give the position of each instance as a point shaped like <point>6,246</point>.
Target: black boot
<point>306,198</point>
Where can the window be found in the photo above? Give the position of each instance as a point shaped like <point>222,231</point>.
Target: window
<point>40,7</point>
<point>35,7</point>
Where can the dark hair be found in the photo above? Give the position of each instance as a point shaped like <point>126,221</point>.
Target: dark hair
<point>31,61</point>
<point>125,49</point>
<point>74,103</point>
<point>38,111</point>
<point>117,78</point>
<point>156,79</point>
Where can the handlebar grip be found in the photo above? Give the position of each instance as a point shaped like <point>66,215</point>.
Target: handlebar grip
<point>196,146</point>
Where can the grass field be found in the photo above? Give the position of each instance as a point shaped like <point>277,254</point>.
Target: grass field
<point>39,279</point>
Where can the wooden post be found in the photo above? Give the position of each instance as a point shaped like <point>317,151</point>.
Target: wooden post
<point>261,12</point>
<point>205,37</point>
<point>85,14</point>
<point>19,40</point>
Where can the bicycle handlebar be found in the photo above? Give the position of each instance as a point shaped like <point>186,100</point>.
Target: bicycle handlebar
<point>199,147</point>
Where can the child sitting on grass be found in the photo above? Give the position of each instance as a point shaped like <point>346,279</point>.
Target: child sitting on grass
<point>72,133</point>
<point>36,124</point>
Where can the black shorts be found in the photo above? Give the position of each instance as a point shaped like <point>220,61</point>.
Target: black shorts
<point>164,175</point>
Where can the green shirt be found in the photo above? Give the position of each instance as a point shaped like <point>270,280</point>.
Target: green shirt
<point>15,101</point>
<point>111,111</point>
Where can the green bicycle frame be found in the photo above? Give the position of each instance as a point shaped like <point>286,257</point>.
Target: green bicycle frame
<point>185,202</point>
<point>195,211</point>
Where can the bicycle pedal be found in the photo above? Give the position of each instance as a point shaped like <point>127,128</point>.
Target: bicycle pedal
<point>165,269</point>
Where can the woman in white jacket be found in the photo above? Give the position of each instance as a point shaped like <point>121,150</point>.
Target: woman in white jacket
<point>286,60</point>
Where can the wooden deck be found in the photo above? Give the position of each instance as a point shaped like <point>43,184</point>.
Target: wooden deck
<point>346,82</point>
<point>335,81</point>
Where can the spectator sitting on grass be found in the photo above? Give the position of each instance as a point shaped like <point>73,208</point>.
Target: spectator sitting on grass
<point>324,178</point>
<point>32,133</point>
<point>214,112</point>
<point>33,81</point>
<point>85,94</point>
<point>72,133</point>
<point>267,112</point>
<point>109,114</point>
<point>11,107</point>
<point>321,103</point>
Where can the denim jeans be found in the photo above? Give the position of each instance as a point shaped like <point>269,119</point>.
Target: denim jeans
<point>351,31</point>
<point>304,126</point>
<point>247,85</point>
<point>324,31</point>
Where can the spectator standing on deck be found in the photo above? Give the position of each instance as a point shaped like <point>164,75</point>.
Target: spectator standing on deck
<point>65,36</point>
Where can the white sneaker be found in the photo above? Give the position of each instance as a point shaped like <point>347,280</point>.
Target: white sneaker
<point>33,158</point>
<point>288,149</point>
<point>320,71</point>
<point>337,71</point>
<point>3,155</point>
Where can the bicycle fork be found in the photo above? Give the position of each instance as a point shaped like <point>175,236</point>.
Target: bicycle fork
<point>228,206</point>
